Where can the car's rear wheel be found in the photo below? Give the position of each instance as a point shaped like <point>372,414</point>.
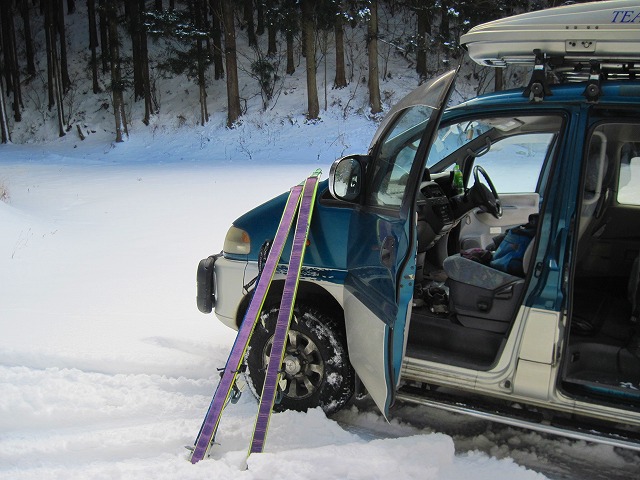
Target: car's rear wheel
<point>316,370</point>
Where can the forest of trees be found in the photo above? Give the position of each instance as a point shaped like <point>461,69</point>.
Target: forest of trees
<point>34,44</point>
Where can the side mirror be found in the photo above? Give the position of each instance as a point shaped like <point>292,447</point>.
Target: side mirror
<point>346,177</point>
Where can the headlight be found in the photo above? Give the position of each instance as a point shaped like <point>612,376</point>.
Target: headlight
<point>237,241</point>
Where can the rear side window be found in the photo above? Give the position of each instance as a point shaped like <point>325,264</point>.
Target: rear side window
<point>629,176</point>
<point>613,162</point>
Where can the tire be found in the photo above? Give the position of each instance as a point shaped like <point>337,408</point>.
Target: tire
<point>316,369</point>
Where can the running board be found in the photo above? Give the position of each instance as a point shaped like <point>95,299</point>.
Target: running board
<point>588,434</point>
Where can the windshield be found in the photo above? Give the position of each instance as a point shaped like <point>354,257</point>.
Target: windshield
<point>452,137</point>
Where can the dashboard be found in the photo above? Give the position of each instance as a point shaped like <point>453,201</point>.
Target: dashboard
<point>435,215</point>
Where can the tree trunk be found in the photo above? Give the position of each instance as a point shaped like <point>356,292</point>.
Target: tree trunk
<point>4,123</point>
<point>158,5</point>
<point>116,78</point>
<point>291,64</point>
<point>49,41</point>
<point>231,60</point>
<point>445,31</point>
<point>5,16</point>
<point>53,67</point>
<point>135,27</point>
<point>28,38</point>
<point>374,83</point>
<point>12,69</point>
<point>4,119</point>
<point>248,17</point>
<point>144,59</point>
<point>204,113</point>
<point>260,17</point>
<point>424,30</point>
<point>58,88</point>
<point>199,10</point>
<point>498,81</point>
<point>216,35</point>
<point>341,75</point>
<point>104,36</point>
<point>63,64</point>
<point>272,30</point>
<point>93,43</point>
<point>313,106</point>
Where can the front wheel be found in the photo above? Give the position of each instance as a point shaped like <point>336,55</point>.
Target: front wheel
<point>316,370</point>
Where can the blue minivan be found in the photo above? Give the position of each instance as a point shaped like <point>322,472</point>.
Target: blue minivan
<point>481,258</point>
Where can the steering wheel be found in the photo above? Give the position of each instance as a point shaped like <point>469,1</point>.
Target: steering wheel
<point>485,197</point>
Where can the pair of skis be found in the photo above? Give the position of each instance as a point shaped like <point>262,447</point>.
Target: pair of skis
<point>301,201</point>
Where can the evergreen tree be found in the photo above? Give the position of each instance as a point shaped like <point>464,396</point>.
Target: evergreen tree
<point>189,28</point>
<point>5,134</point>
<point>216,37</point>
<point>287,19</point>
<point>93,44</point>
<point>271,18</point>
<point>28,40</point>
<point>53,64</point>
<point>340,80</point>
<point>61,30</point>
<point>10,52</point>
<point>141,77</point>
<point>104,36</point>
<point>372,48</point>
<point>231,60</point>
<point>308,21</point>
<point>117,83</point>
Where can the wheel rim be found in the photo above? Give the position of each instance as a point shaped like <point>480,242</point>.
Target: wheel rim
<point>302,368</point>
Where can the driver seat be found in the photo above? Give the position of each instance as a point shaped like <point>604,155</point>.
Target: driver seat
<point>483,297</point>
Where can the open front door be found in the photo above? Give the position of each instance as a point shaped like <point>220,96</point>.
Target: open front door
<point>382,240</point>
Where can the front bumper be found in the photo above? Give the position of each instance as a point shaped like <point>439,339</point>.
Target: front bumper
<point>220,283</point>
<point>205,283</point>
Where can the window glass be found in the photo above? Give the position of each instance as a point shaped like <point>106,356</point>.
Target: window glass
<point>397,153</point>
<point>629,178</point>
<point>514,163</point>
<point>512,150</point>
<point>452,137</point>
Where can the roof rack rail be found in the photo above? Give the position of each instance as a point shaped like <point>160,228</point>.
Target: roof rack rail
<point>538,86</point>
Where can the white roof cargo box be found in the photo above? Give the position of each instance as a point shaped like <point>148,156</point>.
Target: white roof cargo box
<point>605,31</point>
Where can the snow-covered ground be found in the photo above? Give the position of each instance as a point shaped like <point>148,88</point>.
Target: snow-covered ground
<point>106,366</point>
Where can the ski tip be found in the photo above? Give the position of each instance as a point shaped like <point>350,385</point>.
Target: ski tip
<point>316,173</point>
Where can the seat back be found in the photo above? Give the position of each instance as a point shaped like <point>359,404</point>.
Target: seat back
<point>481,296</point>
<point>597,164</point>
